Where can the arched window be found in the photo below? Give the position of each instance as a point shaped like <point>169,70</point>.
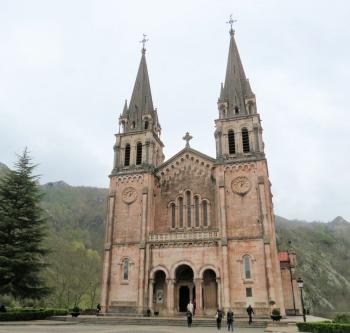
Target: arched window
<point>196,211</point>
<point>245,140</point>
<point>231,142</point>
<point>133,124</point>
<point>181,212</point>
<point>138,153</point>
<point>126,269</point>
<point>188,204</point>
<point>236,109</point>
<point>247,267</point>
<point>205,212</point>
<point>127,155</point>
<point>172,212</point>
<point>146,124</point>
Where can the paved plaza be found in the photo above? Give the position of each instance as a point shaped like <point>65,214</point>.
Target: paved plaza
<point>50,327</point>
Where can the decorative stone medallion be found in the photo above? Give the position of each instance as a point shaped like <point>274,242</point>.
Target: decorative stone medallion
<point>241,185</point>
<point>129,195</point>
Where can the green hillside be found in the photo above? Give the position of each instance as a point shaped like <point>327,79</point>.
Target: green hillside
<point>76,218</point>
<point>323,254</point>
<point>76,221</point>
<point>76,213</point>
<point>3,169</point>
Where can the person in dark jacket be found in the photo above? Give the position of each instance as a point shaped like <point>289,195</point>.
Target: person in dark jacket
<point>218,317</point>
<point>230,320</point>
<point>98,309</point>
<point>189,318</point>
<point>250,312</point>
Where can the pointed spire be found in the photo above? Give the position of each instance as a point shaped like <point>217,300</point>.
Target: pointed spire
<point>222,96</point>
<point>125,109</point>
<point>141,108</point>
<point>236,88</point>
<point>141,98</point>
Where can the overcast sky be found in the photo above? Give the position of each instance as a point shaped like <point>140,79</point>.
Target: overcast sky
<point>67,66</point>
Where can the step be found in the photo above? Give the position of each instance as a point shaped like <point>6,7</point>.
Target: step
<point>197,322</point>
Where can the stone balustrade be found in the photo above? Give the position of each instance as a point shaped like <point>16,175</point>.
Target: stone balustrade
<point>184,236</point>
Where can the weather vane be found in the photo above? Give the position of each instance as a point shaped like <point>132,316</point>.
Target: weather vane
<point>231,21</point>
<point>143,41</point>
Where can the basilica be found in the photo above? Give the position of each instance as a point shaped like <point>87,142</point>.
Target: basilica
<point>194,227</point>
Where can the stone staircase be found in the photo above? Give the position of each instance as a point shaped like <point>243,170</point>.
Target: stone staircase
<point>157,321</point>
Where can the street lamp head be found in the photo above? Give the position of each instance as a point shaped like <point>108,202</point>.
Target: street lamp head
<point>300,283</point>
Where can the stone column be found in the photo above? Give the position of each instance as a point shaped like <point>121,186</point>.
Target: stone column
<point>226,278</point>
<point>199,300</point>
<point>218,282</point>
<point>147,152</point>
<point>147,270</point>
<point>107,261</point>
<point>142,247</point>
<point>222,207</point>
<point>256,137</point>
<point>170,295</point>
<point>225,272</point>
<point>116,155</point>
<point>152,153</point>
<point>267,249</point>
<point>150,296</point>
<point>239,144</point>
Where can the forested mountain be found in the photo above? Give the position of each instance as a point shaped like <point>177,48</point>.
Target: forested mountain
<point>323,255</point>
<point>76,218</point>
<point>3,169</point>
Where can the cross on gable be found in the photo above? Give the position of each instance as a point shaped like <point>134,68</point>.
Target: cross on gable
<point>187,138</point>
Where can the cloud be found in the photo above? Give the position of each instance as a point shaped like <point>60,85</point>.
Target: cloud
<point>66,68</point>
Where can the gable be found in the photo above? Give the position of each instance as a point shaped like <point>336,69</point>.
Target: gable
<point>187,163</point>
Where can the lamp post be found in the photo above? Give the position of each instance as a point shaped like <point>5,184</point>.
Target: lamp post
<point>301,286</point>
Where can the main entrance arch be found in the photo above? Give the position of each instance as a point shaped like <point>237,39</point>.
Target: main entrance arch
<point>184,287</point>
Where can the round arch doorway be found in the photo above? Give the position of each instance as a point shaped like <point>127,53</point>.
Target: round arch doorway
<point>184,287</point>
<point>210,291</point>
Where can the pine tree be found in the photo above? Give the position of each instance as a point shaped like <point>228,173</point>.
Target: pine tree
<point>22,230</point>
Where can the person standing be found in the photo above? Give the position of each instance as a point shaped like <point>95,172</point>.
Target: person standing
<point>189,318</point>
<point>230,320</point>
<point>250,312</point>
<point>190,307</point>
<point>218,317</point>
<point>98,309</point>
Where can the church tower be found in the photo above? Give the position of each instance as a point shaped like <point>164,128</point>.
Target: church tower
<point>238,130</point>
<point>138,150</point>
<point>139,147</point>
<point>244,194</point>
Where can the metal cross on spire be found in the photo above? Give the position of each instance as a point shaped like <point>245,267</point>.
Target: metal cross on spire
<point>143,41</point>
<point>187,138</point>
<point>230,22</point>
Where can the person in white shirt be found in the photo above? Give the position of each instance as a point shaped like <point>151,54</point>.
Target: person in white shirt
<point>190,307</point>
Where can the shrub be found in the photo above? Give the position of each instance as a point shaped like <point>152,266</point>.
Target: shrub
<point>75,309</point>
<point>276,312</point>
<point>324,327</point>
<point>31,314</point>
<point>342,318</point>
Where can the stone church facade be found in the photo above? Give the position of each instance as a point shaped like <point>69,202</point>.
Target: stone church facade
<point>193,227</point>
